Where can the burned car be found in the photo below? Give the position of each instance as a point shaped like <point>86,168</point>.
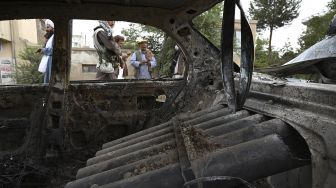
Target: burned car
<point>235,131</point>
<point>318,59</point>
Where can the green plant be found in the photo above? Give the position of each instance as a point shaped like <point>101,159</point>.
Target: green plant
<point>27,69</point>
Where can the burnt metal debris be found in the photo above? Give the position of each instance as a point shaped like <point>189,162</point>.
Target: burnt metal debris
<point>235,100</point>
<point>319,59</point>
<point>229,146</point>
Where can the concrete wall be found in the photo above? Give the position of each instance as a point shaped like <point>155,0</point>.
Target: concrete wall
<point>253,25</point>
<point>5,30</point>
<point>27,30</point>
<point>15,36</point>
<point>83,57</point>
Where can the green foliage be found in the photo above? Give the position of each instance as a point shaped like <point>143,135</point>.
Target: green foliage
<point>316,27</point>
<point>272,14</point>
<point>276,59</point>
<point>209,24</point>
<point>261,53</point>
<point>137,32</point>
<point>27,70</point>
<point>166,56</point>
<point>332,6</point>
<point>288,53</point>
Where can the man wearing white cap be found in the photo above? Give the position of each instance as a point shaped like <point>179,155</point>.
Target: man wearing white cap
<point>47,51</point>
<point>143,60</point>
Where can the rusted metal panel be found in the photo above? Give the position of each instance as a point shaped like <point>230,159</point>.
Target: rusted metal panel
<point>319,58</point>
<point>319,51</point>
<point>310,109</point>
<point>202,148</point>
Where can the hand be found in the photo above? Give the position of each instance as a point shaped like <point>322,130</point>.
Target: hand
<point>144,62</point>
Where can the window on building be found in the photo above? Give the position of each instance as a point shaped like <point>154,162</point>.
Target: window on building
<point>6,62</point>
<point>88,68</point>
<point>6,76</point>
<point>75,44</point>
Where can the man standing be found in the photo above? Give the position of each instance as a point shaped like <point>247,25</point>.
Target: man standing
<point>47,51</point>
<point>123,71</point>
<point>332,27</point>
<point>108,50</point>
<point>143,60</point>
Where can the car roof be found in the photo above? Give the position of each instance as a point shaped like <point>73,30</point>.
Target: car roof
<point>103,9</point>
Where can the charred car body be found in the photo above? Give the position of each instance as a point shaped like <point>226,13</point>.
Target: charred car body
<point>251,130</point>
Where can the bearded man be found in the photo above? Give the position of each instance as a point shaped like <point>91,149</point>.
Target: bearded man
<point>47,51</point>
<point>108,50</point>
<point>143,61</point>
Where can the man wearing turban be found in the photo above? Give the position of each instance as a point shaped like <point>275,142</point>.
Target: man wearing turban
<point>47,51</point>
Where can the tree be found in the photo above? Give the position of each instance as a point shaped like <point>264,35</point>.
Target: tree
<point>316,27</point>
<point>272,14</point>
<point>166,56</point>
<point>137,32</point>
<point>332,6</point>
<point>27,70</point>
<point>209,24</point>
<point>261,55</point>
<point>288,53</point>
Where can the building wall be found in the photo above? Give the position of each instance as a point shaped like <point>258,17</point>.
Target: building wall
<point>24,33</point>
<point>253,25</point>
<point>237,26</point>
<point>83,63</point>
<point>5,49</point>
<point>15,36</point>
<point>5,30</point>
<point>78,41</point>
<point>27,30</point>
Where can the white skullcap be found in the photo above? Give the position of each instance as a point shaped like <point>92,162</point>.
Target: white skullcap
<point>50,23</point>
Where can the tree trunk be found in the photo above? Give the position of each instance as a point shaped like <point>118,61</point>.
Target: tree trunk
<point>270,45</point>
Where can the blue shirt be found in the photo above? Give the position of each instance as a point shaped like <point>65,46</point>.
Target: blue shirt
<point>143,72</point>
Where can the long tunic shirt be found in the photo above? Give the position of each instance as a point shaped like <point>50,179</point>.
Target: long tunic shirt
<point>48,51</point>
<point>143,72</point>
<point>110,52</point>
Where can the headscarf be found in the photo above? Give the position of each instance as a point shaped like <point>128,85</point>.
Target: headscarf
<point>107,28</point>
<point>50,23</point>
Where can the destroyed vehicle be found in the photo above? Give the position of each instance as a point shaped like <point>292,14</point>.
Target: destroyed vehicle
<point>216,128</point>
<point>318,59</point>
